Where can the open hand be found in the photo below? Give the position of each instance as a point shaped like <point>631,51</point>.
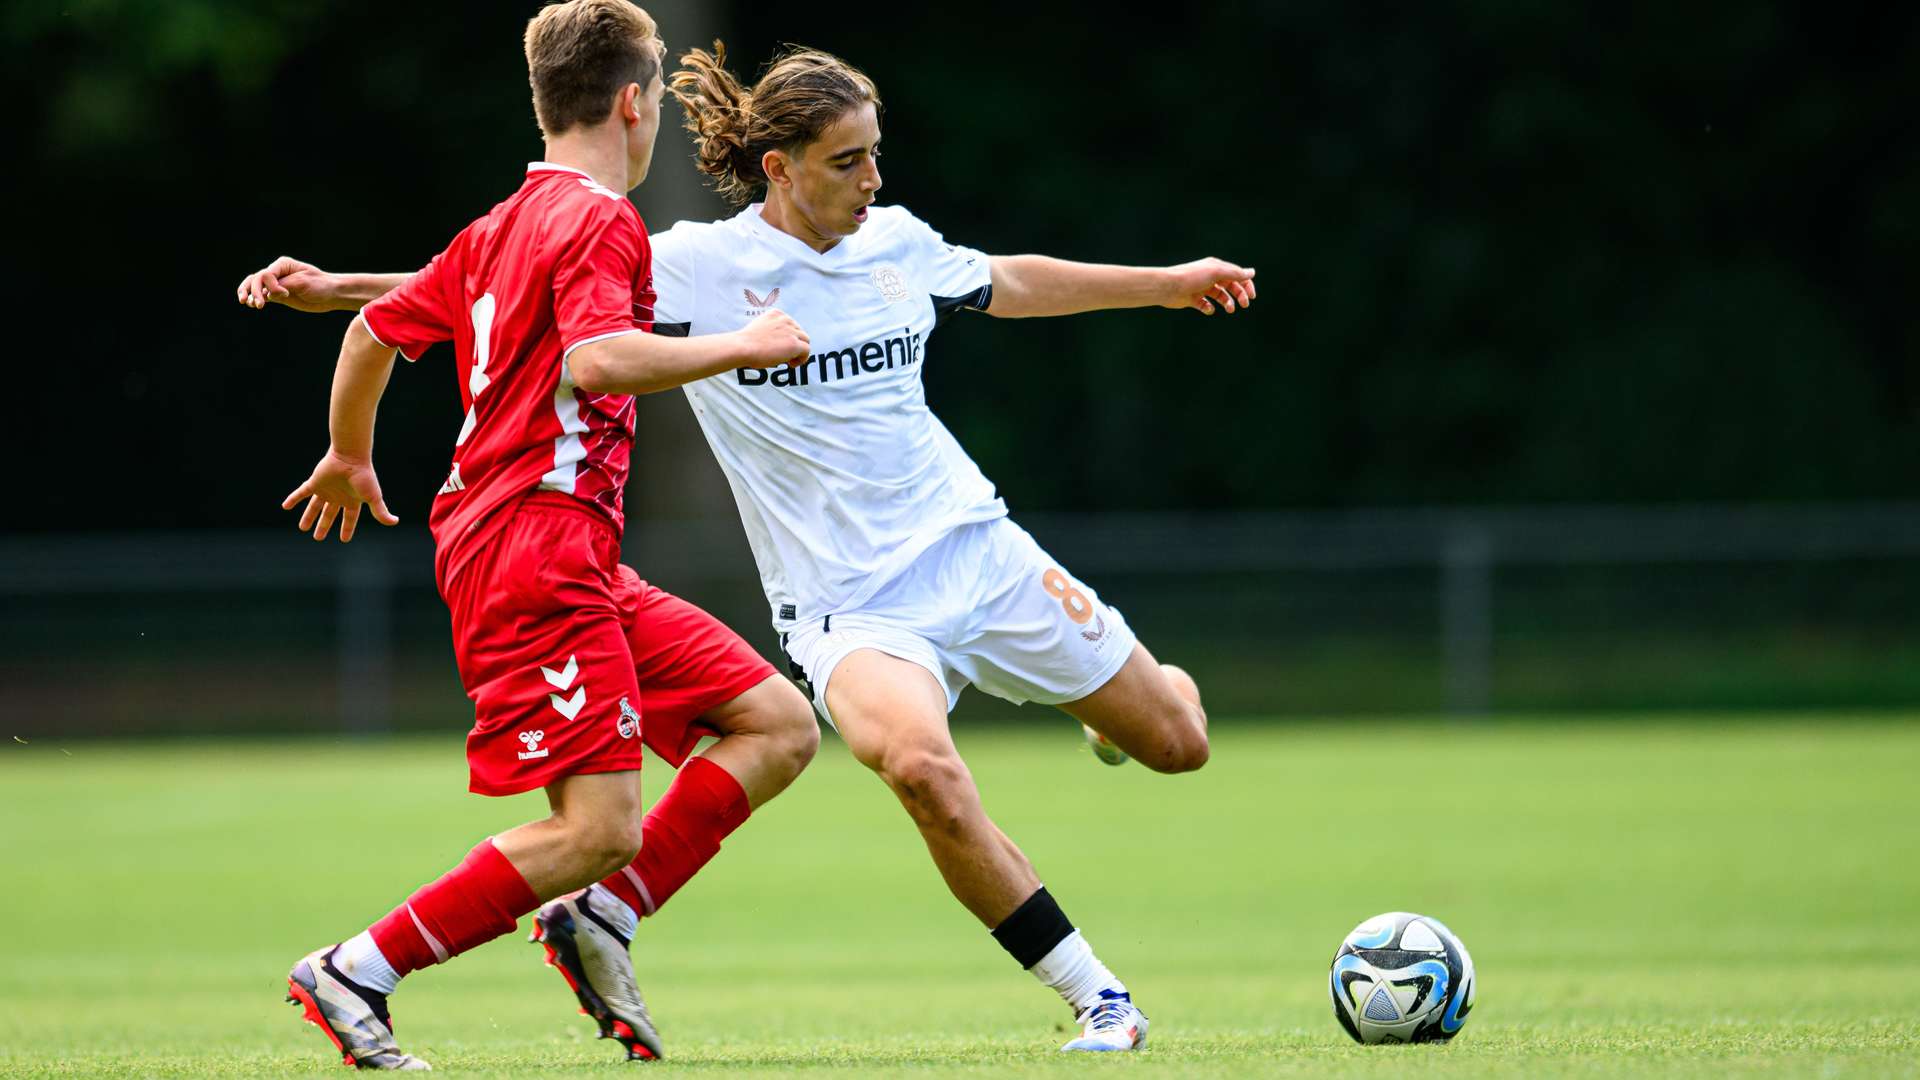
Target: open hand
<point>287,280</point>
<point>1205,284</point>
<point>338,487</point>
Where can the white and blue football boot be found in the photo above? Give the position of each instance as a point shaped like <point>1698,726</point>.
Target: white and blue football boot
<point>1113,1024</point>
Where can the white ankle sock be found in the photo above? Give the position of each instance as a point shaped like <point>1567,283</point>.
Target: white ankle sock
<point>614,910</point>
<point>1076,974</point>
<point>359,959</point>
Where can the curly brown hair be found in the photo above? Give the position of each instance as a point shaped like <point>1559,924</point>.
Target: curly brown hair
<point>802,93</point>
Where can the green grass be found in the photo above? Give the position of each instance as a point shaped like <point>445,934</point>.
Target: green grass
<point>1734,897</point>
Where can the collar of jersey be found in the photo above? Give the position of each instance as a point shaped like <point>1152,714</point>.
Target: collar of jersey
<point>793,245</point>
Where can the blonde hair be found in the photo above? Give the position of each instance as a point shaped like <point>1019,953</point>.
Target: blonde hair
<point>581,53</point>
<point>802,93</point>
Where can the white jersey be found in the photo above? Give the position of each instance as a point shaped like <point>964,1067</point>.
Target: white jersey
<point>842,473</point>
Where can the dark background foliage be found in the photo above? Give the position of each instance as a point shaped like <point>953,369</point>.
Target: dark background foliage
<point>1507,252</point>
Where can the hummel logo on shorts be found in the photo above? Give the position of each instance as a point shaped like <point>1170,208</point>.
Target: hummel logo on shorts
<point>534,749</point>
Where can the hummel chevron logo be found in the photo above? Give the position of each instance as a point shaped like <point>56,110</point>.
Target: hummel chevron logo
<point>534,749</point>
<point>569,707</point>
<point>563,678</point>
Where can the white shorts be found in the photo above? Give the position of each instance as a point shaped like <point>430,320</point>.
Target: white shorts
<point>984,605</point>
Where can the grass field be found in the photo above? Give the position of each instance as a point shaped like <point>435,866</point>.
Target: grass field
<point>1737,896</point>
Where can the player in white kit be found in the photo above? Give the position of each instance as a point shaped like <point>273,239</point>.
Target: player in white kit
<point>892,572</point>
<point>894,575</point>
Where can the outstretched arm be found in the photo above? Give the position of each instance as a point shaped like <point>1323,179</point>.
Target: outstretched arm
<point>344,479</point>
<point>305,287</point>
<point>1025,286</point>
<point>628,364</point>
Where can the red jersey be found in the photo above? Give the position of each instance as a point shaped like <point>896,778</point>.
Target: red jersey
<point>562,263</point>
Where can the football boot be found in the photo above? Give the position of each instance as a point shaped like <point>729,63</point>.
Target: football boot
<point>585,948</point>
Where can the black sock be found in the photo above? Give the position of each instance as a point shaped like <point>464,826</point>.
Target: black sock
<point>1034,928</point>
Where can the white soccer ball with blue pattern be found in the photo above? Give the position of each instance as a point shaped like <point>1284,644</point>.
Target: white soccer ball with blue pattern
<point>1401,978</point>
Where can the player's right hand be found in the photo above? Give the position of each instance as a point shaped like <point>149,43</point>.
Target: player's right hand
<point>337,488</point>
<point>287,280</point>
<point>772,339</point>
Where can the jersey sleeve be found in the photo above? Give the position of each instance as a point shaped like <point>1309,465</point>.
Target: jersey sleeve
<point>594,278</point>
<point>673,266</point>
<point>419,314</point>
<point>956,277</point>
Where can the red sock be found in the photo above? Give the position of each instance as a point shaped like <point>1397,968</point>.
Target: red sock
<point>682,831</point>
<point>470,905</point>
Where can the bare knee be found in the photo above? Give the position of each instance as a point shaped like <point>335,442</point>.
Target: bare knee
<point>792,735</point>
<point>601,846</point>
<point>797,736</point>
<point>1190,749</point>
<point>933,785</point>
<point>1181,744</point>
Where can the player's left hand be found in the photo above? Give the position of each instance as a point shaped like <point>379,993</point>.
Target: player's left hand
<point>338,487</point>
<point>1206,284</point>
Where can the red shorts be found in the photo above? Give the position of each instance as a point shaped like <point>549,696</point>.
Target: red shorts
<point>572,661</point>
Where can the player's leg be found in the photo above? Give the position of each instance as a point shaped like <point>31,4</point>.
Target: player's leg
<point>593,827</point>
<point>696,678</point>
<point>1047,637</point>
<point>1151,711</point>
<point>699,678</point>
<point>593,830</point>
<point>542,652</point>
<point>893,716</point>
<point>767,735</point>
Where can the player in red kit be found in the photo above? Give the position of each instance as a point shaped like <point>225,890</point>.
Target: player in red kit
<point>571,660</point>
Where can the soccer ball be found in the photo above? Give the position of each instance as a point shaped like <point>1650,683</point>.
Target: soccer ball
<point>1401,978</point>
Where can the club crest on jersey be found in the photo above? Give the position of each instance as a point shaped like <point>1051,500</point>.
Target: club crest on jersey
<point>629,724</point>
<point>757,304</point>
<point>891,283</point>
